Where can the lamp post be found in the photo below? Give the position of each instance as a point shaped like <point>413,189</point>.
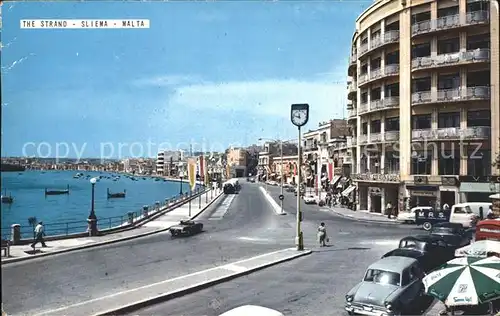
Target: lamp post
<point>92,219</point>
<point>181,175</point>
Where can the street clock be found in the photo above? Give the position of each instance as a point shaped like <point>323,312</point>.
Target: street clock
<point>299,114</point>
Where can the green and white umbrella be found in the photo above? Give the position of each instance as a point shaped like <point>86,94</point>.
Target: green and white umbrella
<point>465,281</point>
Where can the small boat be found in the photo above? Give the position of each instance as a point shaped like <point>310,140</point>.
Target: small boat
<point>116,195</point>
<point>56,192</point>
<point>7,199</point>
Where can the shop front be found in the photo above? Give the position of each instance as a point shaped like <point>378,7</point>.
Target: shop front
<point>478,189</point>
<point>423,195</point>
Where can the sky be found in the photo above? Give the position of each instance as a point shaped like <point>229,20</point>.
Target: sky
<point>212,74</point>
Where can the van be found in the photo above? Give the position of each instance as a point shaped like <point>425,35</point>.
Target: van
<point>463,214</point>
<point>474,206</point>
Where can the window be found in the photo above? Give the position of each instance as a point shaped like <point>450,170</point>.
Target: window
<point>450,11</point>
<point>449,81</point>
<point>364,97</point>
<point>449,162</point>
<point>394,26</point>
<point>421,84</point>
<point>478,6</point>
<point>449,46</point>
<point>405,277</point>
<point>364,128</point>
<point>478,78</point>
<point>460,210</point>
<point>392,124</point>
<point>375,63</point>
<point>421,50</point>
<point>422,162</point>
<point>375,94</point>
<point>478,162</point>
<point>478,118</point>
<point>478,41</point>
<point>392,90</point>
<point>391,162</point>
<point>364,68</point>
<point>421,17</point>
<point>446,120</point>
<point>382,277</point>
<point>422,121</point>
<point>375,126</point>
<point>392,58</point>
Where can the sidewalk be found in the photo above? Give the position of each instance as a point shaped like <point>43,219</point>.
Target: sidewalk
<point>362,216</point>
<point>162,223</point>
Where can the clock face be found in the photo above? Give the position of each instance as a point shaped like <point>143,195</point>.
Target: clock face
<point>299,117</point>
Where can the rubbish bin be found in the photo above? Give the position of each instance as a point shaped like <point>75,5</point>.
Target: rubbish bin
<point>130,217</point>
<point>145,210</point>
<point>15,235</point>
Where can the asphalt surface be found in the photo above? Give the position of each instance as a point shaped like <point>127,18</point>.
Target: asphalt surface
<point>60,280</point>
<point>313,285</point>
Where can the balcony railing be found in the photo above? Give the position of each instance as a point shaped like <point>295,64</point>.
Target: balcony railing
<point>451,133</point>
<point>391,136</point>
<point>375,137</point>
<point>451,21</point>
<point>351,141</point>
<point>363,108</point>
<point>391,69</point>
<point>451,95</point>
<point>378,41</point>
<point>363,78</point>
<point>363,48</point>
<point>376,73</point>
<point>471,56</point>
<point>351,113</point>
<point>351,87</point>
<point>363,139</point>
<point>391,37</point>
<point>353,58</point>
<point>386,103</point>
<point>350,105</point>
<point>377,177</point>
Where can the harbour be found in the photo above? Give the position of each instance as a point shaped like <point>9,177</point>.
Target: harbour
<point>69,197</point>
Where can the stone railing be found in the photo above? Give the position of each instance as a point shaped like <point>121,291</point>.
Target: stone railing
<point>470,56</point>
<point>450,22</point>
<point>376,177</point>
<point>450,133</point>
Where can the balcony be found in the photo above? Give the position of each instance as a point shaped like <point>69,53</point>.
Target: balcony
<point>351,87</point>
<point>351,113</point>
<point>377,177</point>
<point>391,136</point>
<point>451,133</point>
<point>375,137</point>
<point>479,55</point>
<point>311,147</point>
<point>363,139</point>
<point>450,22</point>
<point>451,95</point>
<point>353,59</point>
<point>363,108</point>
<point>377,73</point>
<point>363,78</point>
<point>363,48</point>
<point>379,41</point>
<point>350,105</point>
<point>351,141</point>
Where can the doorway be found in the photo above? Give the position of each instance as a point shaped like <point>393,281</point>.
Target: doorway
<point>448,197</point>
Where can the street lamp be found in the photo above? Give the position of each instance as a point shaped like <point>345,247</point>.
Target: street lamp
<point>181,175</point>
<point>281,171</point>
<point>92,219</point>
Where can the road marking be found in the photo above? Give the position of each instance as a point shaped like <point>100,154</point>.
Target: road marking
<point>235,268</point>
<point>253,239</point>
<point>159,283</point>
<point>382,242</point>
<point>223,208</point>
<point>276,208</point>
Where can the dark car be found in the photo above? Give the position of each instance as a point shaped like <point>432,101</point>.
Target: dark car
<point>453,234</point>
<point>429,250</point>
<point>186,228</point>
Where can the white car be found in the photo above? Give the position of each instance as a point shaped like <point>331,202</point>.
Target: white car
<point>310,199</point>
<point>252,310</point>
<point>409,217</point>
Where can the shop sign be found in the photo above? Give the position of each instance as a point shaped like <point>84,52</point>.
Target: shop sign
<point>481,179</point>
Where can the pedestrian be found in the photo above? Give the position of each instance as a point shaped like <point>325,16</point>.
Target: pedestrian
<point>490,214</point>
<point>322,237</point>
<point>39,233</point>
<point>388,209</point>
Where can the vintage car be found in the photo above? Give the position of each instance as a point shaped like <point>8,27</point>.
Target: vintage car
<point>310,199</point>
<point>453,234</point>
<point>186,228</point>
<point>429,250</point>
<point>391,286</point>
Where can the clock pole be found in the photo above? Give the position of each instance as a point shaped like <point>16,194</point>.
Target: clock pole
<point>299,241</point>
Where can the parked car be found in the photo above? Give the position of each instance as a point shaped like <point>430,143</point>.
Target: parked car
<point>430,251</point>
<point>310,199</point>
<point>409,217</point>
<point>391,286</point>
<point>454,234</point>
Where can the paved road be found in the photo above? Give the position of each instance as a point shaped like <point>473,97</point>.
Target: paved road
<point>313,285</point>
<point>65,279</point>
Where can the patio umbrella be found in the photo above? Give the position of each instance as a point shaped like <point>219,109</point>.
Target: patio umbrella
<point>479,249</point>
<point>465,281</point>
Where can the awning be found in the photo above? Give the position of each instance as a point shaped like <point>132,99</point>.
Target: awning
<point>495,196</point>
<point>335,180</point>
<point>479,249</point>
<point>466,187</point>
<point>268,170</point>
<point>349,190</point>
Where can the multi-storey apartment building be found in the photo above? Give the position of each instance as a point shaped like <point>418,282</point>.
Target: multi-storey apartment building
<point>270,150</point>
<point>424,102</point>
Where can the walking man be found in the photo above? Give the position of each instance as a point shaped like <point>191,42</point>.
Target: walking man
<point>322,238</point>
<point>39,233</point>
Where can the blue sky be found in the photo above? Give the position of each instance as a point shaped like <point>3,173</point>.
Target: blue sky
<point>213,73</point>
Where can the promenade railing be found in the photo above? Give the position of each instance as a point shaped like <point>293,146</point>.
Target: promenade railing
<point>104,223</point>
